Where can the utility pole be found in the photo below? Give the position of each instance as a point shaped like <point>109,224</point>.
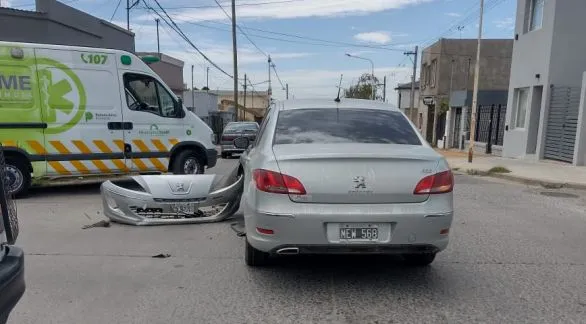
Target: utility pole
<point>128,7</point>
<point>475,91</point>
<point>158,43</point>
<point>385,89</point>
<point>192,91</point>
<point>235,51</point>
<point>208,78</point>
<point>413,78</point>
<point>245,81</point>
<point>270,91</point>
<point>287,90</point>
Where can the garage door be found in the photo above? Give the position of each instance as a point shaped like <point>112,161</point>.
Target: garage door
<point>562,121</point>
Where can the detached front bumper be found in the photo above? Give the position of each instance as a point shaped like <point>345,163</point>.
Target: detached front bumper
<point>12,285</point>
<point>171,199</point>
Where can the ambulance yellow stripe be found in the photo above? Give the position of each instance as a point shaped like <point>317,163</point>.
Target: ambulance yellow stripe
<point>143,148</point>
<point>60,147</point>
<point>86,150</point>
<point>141,145</point>
<point>120,144</point>
<point>59,168</point>
<point>140,165</point>
<point>158,164</point>
<point>159,145</point>
<point>63,150</point>
<point>37,147</point>
<point>173,141</point>
<point>101,145</point>
<point>8,143</point>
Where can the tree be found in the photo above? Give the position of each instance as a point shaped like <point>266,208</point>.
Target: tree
<point>205,88</point>
<point>363,88</point>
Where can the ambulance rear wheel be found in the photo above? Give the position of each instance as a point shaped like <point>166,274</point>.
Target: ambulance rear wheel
<point>188,162</point>
<point>17,176</point>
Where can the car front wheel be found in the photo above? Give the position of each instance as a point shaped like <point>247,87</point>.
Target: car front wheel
<point>188,162</point>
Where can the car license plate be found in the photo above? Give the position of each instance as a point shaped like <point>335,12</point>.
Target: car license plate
<point>184,208</point>
<point>362,232</point>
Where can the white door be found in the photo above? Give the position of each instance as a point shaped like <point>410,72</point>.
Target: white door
<point>81,103</point>
<point>153,122</point>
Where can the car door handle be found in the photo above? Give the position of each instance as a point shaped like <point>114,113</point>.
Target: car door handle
<point>127,125</point>
<point>115,125</point>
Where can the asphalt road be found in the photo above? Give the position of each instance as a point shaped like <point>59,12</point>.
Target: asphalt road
<point>516,256</point>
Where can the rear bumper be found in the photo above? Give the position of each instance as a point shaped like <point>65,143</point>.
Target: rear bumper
<point>12,285</point>
<point>361,249</point>
<point>212,157</point>
<point>314,228</point>
<point>229,148</point>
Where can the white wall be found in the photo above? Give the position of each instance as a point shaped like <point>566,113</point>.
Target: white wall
<point>531,56</point>
<point>557,53</point>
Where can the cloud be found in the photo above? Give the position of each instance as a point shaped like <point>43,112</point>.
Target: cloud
<point>507,23</point>
<point>453,14</point>
<point>297,9</point>
<point>378,37</point>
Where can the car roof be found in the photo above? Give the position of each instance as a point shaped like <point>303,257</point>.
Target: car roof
<point>331,103</point>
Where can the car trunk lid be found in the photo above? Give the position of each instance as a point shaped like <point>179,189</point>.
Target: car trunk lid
<point>357,174</point>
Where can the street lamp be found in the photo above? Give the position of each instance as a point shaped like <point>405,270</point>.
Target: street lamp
<point>372,67</point>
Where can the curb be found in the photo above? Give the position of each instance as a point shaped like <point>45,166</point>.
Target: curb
<point>525,180</point>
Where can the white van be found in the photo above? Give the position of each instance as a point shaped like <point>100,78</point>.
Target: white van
<point>69,112</point>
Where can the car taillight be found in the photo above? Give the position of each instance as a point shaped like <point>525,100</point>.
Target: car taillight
<point>275,182</point>
<point>438,183</point>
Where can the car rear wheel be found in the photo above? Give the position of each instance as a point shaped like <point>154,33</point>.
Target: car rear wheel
<point>254,257</point>
<point>419,259</point>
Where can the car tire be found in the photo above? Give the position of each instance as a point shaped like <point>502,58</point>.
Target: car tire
<point>254,257</point>
<point>224,155</point>
<point>18,170</point>
<point>419,259</point>
<point>188,162</point>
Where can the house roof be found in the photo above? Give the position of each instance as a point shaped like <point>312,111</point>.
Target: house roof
<point>407,86</point>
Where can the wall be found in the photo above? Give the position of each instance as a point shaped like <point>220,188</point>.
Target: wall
<point>406,98</point>
<point>56,23</point>
<point>170,70</point>
<point>204,102</point>
<point>532,55</point>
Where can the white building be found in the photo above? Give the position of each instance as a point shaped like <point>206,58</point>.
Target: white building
<point>544,119</point>
<point>404,100</point>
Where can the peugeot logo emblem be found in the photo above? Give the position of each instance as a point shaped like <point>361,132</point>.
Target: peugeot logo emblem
<point>359,182</point>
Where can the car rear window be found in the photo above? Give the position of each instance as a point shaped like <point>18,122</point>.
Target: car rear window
<point>324,126</point>
<point>241,128</point>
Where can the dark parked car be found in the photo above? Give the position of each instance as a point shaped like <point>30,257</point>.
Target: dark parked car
<point>234,130</point>
<point>12,284</point>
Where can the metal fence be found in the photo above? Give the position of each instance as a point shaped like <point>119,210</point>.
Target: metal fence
<point>490,123</point>
<point>8,212</point>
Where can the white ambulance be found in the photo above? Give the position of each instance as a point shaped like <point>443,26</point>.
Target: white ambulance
<point>70,112</point>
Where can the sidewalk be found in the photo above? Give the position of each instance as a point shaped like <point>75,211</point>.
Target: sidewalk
<point>546,173</point>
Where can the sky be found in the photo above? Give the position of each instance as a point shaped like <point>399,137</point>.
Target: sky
<point>306,39</point>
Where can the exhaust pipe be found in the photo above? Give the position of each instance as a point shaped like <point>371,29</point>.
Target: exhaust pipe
<point>288,250</point>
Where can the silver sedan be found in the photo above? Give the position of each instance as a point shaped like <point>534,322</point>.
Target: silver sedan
<point>344,177</point>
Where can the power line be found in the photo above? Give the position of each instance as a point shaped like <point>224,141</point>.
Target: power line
<point>178,30</point>
<point>238,5</point>
<point>339,45</point>
<point>346,44</point>
<point>241,31</point>
<point>115,10</point>
<point>278,78</point>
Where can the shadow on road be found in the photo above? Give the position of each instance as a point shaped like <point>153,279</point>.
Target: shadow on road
<point>64,190</point>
